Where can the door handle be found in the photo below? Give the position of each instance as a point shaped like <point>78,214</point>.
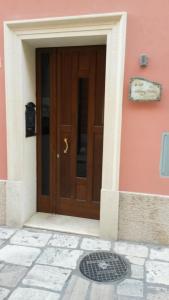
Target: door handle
<point>66,146</point>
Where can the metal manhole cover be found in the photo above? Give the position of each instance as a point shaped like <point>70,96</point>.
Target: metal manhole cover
<point>104,266</point>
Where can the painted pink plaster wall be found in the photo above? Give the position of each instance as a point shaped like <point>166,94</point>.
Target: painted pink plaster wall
<point>143,124</point>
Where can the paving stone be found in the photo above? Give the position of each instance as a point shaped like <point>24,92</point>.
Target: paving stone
<point>102,291</point>
<point>157,272</point>
<point>59,257</point>
<point>131,249</point>
<point>64,240</point>
<point>95,244</point>
<point>137,271</point>
<point>19,255</point>
<point>56,264</point>
<point>3,293</point>
<point>77,289</point>
<point>159,254</point>
<point>33,294</point>
<point>158,293</point>
<point>11,275</point>
<point>30,238</point>
<point>6,233</point>
<point>2,242</point>
<point>128,298</point>
<point>131,288</point>
<point>52,278</point>
<point>136,260</point>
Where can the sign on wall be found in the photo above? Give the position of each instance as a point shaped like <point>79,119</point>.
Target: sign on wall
<point>142,89</point>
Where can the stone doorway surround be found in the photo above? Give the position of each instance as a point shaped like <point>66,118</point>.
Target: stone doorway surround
<point>20,40</point>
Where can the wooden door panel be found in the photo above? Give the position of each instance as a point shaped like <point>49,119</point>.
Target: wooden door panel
<point>81,189</point>
<point>100,88</point>
<point>97,162</point>
<point>65,143</point>
<point>80,210</point>
<point>65,70</point>
<point>76,134</point>
<point>84,60</point>
<point>98,124</point>
<point>44,94</point>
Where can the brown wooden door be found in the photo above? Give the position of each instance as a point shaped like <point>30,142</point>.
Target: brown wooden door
<point>70,97</point>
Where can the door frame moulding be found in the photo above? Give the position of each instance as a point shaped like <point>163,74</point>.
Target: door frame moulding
<point>20,40</point>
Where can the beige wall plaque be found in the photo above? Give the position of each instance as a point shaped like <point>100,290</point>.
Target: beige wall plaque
<point>142,89</point>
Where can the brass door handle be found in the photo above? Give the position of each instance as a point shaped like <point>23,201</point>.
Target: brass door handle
<point>66,146</point>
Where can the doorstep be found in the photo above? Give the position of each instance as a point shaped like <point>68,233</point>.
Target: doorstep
<point>64,224</point>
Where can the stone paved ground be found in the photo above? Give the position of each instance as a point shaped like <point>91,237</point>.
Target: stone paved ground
<point>43,265</point>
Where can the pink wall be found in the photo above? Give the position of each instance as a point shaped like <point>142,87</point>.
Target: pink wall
<point>143,124</point>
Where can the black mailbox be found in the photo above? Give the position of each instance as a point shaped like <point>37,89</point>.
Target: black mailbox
<point>30,119</point>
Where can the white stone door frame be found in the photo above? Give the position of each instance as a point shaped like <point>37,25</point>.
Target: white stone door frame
<point>20,40</point>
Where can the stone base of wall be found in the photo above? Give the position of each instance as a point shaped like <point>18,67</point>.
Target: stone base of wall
<point>144,218</point>
<point>2,202</point>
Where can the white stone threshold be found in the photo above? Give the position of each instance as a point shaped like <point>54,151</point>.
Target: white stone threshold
<point>64,224</point>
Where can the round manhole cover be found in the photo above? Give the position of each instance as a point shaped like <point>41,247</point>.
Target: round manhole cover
<point>104,266</point>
